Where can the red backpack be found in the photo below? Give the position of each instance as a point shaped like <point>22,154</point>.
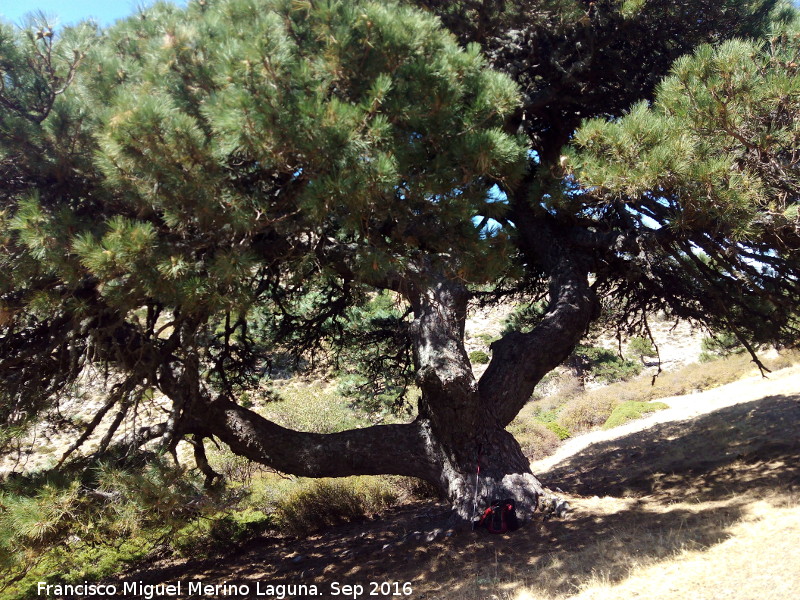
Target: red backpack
<point>500,517</point>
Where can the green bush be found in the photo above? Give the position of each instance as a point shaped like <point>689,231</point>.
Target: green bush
<point>221,531</point>
<point>62,529</point>
<point>628,411</point>
<point>487,338</point>
<point>604,365</point>
<point>324,502</point>
<point>640,347</point>
<point>720,345</point>
<point>524,317</point>
<point>478,357</point>
<point>561,431</point>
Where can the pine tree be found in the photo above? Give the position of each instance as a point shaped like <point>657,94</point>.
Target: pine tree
<point>194,189</point>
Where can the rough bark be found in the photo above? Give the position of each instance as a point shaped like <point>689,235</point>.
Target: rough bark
<point>520,360</point>
<point>412,449</point>
<point>458,441</point>
<point>378,450</point>
<point>461,424</point>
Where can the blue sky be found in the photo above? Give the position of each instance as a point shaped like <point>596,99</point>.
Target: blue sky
<point>71,11</point>
<point>68,12</point>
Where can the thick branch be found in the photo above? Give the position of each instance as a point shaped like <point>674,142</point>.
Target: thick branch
<point>520,360</point>
<point>377,450</point>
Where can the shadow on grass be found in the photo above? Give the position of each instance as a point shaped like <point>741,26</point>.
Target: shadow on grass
<point>718,462</point>
<point>743,448</point>
<point>556,557</point>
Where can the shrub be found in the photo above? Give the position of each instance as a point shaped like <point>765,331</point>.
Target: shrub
<point>411,488</point>
<point>478,357</point>
<point>238,526</point>
<point>605,365</point>
<point>586,411</point>
<point>314,408</point>
<point>785,359</point>
<point>63,528</point>
<point>561,431</point>
<point>487,338</point>
<point>640,347</point>
<point>220,532</point>
<point>720,345</point>
<point>536,439</point>
<point>524,317</point>
<point>235,469</point>
<point>556,387</point>
<point>246,400</point>
<point>325,502</point>
<point>628,411</point>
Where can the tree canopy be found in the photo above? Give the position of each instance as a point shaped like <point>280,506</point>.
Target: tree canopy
<point>206,162</point>
<point>194,189</point>
<point>711,166</point>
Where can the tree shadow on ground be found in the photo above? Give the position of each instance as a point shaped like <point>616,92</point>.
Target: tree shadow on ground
<point>556,556</point>
<point>737,449</point>
<point>675,486</point>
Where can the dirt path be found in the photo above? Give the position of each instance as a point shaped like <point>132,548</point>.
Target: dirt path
<point>783,382</point>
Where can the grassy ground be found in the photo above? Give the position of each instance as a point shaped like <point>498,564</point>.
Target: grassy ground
<point>567,564</point>
<point>704,508</point>
<point>546,422</point>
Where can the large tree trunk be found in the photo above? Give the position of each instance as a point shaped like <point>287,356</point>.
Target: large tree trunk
<point>458,441</point>
<point>414,450</point>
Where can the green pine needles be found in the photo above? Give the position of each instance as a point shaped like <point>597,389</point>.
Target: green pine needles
<point>717,145</point>
<point>199,197</point>
<point>198,167</point>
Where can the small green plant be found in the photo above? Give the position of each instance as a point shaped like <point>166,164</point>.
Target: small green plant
<point>246,400</point>
<point>557,428</point>
<point>604,365</point>
<point>641,347</point>
<point>628,411</point>
<point>478,357</point>
<point>524,317</point>
<point>720,345</point>
<point>545,415</point>
<point>64,528</point>
<point>325,502</point>
<point>487,338</point>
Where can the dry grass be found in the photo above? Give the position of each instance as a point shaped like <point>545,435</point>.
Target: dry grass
<point>759,560</point>
<point>742,549</point>
<point>706,508</point>
<point>315,504</point>
<point>536,439</point>
<point>691,378</point>
<point>587,411</point>
<point>753,557</point>
<point>581,411</point>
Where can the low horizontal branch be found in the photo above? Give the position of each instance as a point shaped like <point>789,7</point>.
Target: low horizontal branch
<point>381,449</point>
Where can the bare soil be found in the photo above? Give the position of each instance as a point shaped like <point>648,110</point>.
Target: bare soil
<point>698,501</point>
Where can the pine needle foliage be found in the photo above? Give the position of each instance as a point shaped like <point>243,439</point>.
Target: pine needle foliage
<point>52,526</point>
<point>199,189</point>
<point>191,171</point>
<point>712,165</point>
